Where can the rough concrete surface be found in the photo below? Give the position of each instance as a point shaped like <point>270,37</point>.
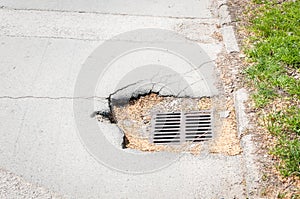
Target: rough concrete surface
<point>43,45</point>
<point>13,186</point>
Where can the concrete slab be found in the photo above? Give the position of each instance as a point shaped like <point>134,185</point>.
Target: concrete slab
<point>169,8</point>
<point>52,65</point>
<point>40,66</point>
<point>92,26</point>
<point>13,186</point>
<point>43,52</point>
<point>52,156</point>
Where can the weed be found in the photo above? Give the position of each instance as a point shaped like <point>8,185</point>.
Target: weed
<point>286,125</point>
<point>281,195</point>
<point>275,51</point>
<point>289,153</point>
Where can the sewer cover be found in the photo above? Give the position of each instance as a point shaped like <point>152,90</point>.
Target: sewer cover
<point>179,127</point>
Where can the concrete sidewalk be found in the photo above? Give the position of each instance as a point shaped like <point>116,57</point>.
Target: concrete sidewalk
<point>43,45</point>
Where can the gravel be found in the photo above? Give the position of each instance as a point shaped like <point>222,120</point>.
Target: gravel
<point>13,186</point>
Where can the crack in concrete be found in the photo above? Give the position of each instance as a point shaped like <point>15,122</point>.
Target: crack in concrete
<point>108,39</point>
<point>53,37</point>
<point>110,95</point>
<point>51,98</point>
<point>184,89</point>
<point>123,88</point>
<point>19,134</point>
<point>222,4</point>
<point>229,23</point>
<point>109,98</point>
<point>153,83</point>
<point>105,13</point>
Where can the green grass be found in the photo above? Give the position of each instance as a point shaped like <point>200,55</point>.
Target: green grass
<point>287,121</point>
<point>288,151</point>
<point>275,54</point>
<point>276,50</point>
<point>286,125</point>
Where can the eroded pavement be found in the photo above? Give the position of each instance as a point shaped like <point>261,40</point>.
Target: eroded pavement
<point>43,47</point>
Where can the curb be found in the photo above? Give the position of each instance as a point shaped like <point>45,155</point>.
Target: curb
<point>252,175</point>
<point>251,169</point>
<point>227,30</point>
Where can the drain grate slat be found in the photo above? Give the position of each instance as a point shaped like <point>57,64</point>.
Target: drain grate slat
<point>198,132</point>
<point>178,127</point>
<point>169,121</point>
<point>165,128</point>
<point>171,133</point>
<point>167,124</point>
<point>159,114</point>
<point>199,126</point>
<point>166,137</point>
<point>167,141</point>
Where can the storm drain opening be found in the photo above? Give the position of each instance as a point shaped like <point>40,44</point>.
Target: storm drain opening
<point>152,123</point>
<point>178,123</point>
<point>180,127</point>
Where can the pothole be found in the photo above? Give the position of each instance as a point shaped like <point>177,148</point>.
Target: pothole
<point>134,119</point>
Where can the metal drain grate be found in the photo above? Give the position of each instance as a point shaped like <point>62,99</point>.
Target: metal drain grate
<point>179,127</point>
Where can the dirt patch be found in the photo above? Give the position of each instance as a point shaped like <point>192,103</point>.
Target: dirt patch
<point>218,36</point>
<point>227,141</point>
<point>272,183</point>
<point>135,121</point>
